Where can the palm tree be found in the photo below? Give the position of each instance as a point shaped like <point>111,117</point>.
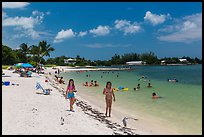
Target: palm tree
<point>43,49</point>
<point>35,51</point>
<point>25,50</point>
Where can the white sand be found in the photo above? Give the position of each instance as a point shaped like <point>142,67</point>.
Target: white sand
<point>25,112</point>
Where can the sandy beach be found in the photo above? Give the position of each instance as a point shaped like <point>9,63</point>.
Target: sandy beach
<point>111,68</point>
<point>25,112</point>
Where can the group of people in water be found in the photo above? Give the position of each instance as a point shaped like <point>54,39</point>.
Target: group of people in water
<point>138,86</point>
<point>92,84</point>
<point>144,78</point>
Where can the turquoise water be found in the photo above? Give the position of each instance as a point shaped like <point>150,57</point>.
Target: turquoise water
<point>181,105</point>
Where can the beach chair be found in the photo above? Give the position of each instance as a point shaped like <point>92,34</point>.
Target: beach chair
<point>45,91</point>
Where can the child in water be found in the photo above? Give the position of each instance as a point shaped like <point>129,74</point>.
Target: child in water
<point>70,93</point>
<point>108,92</point>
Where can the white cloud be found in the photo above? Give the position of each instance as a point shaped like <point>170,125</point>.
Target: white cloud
<point>38,13</point>
<point>13,5</point>
<point>32,33</point>
<point>27,33</point>
<point>127,27</point>
<point>82,33</point>
<point>64,34</point>
<point>25,22</point>
<point>186,30</point>
<point>100,30</point>
<point>155,19</point>
<point>25,25</point>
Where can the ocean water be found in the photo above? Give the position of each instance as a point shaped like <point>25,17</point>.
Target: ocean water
<point>180,107</point>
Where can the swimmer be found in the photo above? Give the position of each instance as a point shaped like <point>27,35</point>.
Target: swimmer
<point>95,83</point>
<point>86,84</point>
<point>149,85</point>
<point>91,84</point>
<point>138,87</point>
<point>154,96</point>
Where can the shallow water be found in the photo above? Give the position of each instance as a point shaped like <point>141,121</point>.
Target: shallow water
<point>180,107</point>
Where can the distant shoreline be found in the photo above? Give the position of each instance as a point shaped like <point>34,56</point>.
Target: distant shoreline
<point>114,67</point>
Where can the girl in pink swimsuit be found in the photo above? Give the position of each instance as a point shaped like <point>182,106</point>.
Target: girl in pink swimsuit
<point>70,93</point>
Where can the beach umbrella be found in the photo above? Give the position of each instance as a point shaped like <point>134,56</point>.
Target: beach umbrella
<point>24,65</point>
<point>18,64</point>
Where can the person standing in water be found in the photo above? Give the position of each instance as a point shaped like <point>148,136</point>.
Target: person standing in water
<point>70,93</point>
<point>138,87</point>
<point>149,85</point>
<point>109,95</point>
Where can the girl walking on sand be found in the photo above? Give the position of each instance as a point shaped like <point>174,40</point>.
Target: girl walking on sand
<point>108,92</point>
<point>70,93</point>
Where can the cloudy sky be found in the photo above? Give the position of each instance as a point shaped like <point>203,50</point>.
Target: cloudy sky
<point>98,30</point>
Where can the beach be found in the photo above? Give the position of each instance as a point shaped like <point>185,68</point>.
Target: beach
<point>26,113</point>
<point>32,113</point>
<point>101,68</point>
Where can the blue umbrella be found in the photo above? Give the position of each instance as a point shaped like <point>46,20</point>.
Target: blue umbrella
<point>24,65</point>
<point>18,64</point>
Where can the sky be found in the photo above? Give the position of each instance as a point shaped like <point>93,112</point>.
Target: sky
<point>98,30</point>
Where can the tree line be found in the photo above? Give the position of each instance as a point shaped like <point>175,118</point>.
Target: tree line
<point>35,54</point>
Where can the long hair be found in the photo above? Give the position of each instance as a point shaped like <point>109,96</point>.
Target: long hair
<point>108,83</point>
<point>73,83</point>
